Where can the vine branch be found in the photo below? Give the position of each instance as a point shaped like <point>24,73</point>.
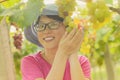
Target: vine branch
<point>1,1</point>
<point>115,9</point>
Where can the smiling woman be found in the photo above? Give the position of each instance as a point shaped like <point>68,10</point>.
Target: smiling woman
<point>59,59</point>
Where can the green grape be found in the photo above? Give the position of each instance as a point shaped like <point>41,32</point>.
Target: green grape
<point>91,8</point>
<point>66,6</point>
<point>101,4</point>
<point>67,20</point>
<point>66,9</point>
<point>98,11</point>
<point>99,16</point>
<point>69,29</point>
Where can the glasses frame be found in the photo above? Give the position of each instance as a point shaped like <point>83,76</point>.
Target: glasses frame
<point>46,25</point>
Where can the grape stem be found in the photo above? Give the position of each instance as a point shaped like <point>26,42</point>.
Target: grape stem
<point>115,9</point>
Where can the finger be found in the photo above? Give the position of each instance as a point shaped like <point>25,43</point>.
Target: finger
<point>78,37</point>
<point>65,35</point>
<point>71,34</point>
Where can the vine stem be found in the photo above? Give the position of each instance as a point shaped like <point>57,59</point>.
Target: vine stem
<point>3,1</point>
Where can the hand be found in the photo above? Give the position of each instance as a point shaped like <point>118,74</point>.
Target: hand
<point>71,42</point>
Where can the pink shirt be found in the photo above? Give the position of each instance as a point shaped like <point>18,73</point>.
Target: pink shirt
<point>34,66</point>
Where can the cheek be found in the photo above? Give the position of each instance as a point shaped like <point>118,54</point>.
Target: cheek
<point>60,33</point>
<point>39,36</point>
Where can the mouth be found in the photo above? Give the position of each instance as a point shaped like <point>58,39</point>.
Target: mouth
<point>48,39</point>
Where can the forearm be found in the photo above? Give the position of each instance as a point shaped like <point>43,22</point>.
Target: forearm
<point>75,67</point>
<point>58,67</point>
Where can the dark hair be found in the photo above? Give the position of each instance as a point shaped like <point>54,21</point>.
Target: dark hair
<point>55,17</point>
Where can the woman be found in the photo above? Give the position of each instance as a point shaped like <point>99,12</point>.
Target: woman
<point>59,60</point>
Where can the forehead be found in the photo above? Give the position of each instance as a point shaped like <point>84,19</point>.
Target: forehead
<point>45,19</point>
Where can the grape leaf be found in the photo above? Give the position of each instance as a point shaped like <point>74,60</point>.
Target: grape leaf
<point>12,10</point>
<point>9,3</point>
<point>29,13</point>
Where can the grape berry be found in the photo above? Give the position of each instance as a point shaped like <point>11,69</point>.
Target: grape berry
<point>18,41</point>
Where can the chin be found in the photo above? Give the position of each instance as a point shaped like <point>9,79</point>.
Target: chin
<point>50,46</point>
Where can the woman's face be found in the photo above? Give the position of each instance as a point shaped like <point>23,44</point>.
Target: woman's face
<point>50,38</point>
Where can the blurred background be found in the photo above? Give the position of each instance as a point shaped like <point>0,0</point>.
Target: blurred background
<point>101,20</point>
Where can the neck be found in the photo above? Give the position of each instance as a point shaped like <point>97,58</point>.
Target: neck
<point>50,54</point>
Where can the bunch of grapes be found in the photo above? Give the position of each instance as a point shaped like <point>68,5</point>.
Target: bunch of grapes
<point>98,11</point>
<point>17,37</point>
<point>66,9</point>
<point>18,40</point>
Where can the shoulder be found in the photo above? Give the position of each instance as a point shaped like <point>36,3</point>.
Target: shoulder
<point>30,58</point>
<point>30,68</point>
<point>29,62</point>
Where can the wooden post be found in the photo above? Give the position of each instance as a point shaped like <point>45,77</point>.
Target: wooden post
<point>7,71</point>
<point>108,63</point>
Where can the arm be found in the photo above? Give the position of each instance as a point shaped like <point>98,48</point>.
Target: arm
<point>69,44</point>
<point>58,68</point>
<point>76,69</point>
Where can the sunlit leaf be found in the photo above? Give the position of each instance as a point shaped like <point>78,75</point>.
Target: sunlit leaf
<point>9,3</point>
<point>109,1</point>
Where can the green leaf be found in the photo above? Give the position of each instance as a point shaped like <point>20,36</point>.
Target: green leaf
<point>1,8</point>
<point>109,1</point>
<point>12,10</point>
<point>10,3</point>
<point>28,14</point>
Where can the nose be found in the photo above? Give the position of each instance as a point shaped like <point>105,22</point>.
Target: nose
<point>47,30</point>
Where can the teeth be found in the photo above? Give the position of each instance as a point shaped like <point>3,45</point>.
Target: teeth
<point>48,38</point>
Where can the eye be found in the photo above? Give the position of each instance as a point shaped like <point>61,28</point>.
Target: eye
<point>41,25</point>
<point>53,24</point>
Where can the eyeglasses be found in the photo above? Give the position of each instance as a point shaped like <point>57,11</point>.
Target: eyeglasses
<point>51,25</point>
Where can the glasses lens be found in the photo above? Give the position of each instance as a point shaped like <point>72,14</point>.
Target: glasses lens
<point>40,27</point>
<point>53,25</point>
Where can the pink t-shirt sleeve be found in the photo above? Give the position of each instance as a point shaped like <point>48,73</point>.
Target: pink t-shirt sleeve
<point>85,65</point>
<point>30,69</point>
